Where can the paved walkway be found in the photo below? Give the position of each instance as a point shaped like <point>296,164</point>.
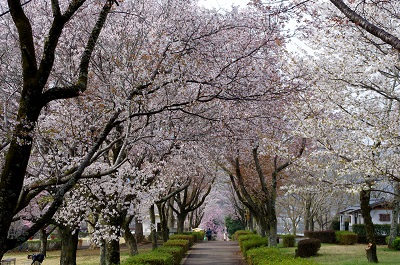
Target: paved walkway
<point>214,252</point>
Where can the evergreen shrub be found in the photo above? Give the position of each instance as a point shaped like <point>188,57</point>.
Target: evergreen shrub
<point>241,232</point>
<point>308,247</point>
<point>177,252</point>
<point>178,242</point>
<point>152,257</point>
<point>346,238</point>
<point>288,241</point>
<point>253,243</point>
<point>189,238</point>
<point>272,256</point>
<point>327,236</point>
<point>396,243</point>
<point>243,238</point>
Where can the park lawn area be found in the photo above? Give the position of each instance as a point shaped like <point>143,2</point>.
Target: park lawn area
<point>331,254</point>
<point>84,256</point>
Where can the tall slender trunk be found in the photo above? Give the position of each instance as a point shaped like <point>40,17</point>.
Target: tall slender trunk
<point>163,221</point>
<point>138,230</point>
<point>153,227</point>
<point>69,245</point>
<point>171,217</point>
<point>394,227</point>
<point>43,241</point>
<point>365,196</point>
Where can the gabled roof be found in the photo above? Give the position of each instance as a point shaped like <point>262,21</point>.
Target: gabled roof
<point>374,203</point>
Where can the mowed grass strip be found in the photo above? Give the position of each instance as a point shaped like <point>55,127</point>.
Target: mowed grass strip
<point>331,254</point>
<point>84,256</point>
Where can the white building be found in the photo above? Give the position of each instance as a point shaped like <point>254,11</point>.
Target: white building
<point>381,213</point>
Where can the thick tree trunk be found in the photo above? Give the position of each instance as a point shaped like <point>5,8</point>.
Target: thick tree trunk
<point>69,245</point>
<point>113,252</point>
<point>181,223</point>
<point>395,215</point>
<point>130,240</point>
<point>103,252</point>
<point>369,226</point>
<point>273,227</point>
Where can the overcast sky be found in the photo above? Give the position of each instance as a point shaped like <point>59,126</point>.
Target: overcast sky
<point>224,4</point>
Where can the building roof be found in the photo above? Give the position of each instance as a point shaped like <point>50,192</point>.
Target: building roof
<point>374,203</point>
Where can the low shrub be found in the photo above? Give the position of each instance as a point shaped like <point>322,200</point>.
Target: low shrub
<point>308,247</point>
<point>380,240</point>
<point>272,256</point>
<point>253,243</point>
<point>346,238</point>
<point>380,229</point>
<point>178,242</point>
<point>241,232</point>
<point>189,238</point>
<point>177,252</point>
<point>288,241</point>
<point>327,236</point>
<point>152,257</point>
<point>198,236</point>
<point>245,237</point>
<point>396,243</point>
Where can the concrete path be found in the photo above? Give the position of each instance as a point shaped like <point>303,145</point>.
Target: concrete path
<point>214,252</point>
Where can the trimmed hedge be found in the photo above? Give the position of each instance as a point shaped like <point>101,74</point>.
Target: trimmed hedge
<point>241,232</point>
<point>272,256</point>
<point>346,238</point>
<point>308,247</point>
<point>327,236</point>
<point>177,242</point>
<point>243,238</point>
<point>152,257</point>
<point>253,243</point>
<point>177,252</point>
<point>380,229</point>
<point>198,236</point>
<point>288,241</point>
<point>190,238</point>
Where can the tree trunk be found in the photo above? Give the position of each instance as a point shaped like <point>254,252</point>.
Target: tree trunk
<point>112,256</point>
<point>395,215</point>
<point>307,215</point>
<point>294,225</point>
<point>171,217</point>
<point>103,252</point>
<point>138,230</point>
<point>43,241</point>
<point>369,226</point>
<point>130,240</point>
<point>153,232</point>
<point>163,221</point>
<point>181,223</point>
<point>273,226</point>
<point>69,245</point>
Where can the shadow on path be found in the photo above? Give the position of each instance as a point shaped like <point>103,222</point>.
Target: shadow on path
<point>215,252</point>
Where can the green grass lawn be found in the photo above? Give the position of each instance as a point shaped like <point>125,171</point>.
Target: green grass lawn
<point>331,254</point>
<point>84,256</point>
